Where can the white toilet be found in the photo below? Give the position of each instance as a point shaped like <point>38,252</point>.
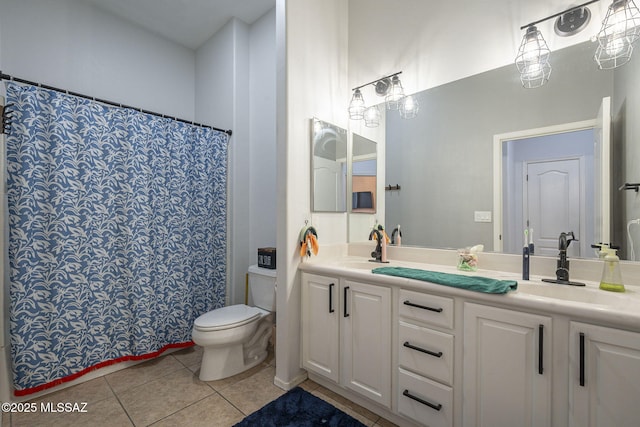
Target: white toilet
<point>235,337</point>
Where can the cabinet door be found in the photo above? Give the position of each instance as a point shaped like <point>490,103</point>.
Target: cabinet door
<point>366,340</point>
<point>604,377</point>
<point>320,323</point>
<point>507,368</point>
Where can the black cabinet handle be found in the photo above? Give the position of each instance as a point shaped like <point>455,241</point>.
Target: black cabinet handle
<point>424,307</point>
<point>430,353</point>
<point>331,286</point>
<point>540,349</point>
<point>435,406</point>
<point>582,359</point>
<point>345,313</point>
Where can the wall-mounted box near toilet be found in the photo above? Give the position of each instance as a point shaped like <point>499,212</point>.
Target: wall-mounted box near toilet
<point>267,258</point>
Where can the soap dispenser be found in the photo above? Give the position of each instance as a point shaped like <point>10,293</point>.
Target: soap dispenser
<point>611,276</point>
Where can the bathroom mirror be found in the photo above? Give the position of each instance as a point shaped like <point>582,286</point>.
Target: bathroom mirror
<point>363,175</point>
<point>328,167</point>
<point>443,159</point>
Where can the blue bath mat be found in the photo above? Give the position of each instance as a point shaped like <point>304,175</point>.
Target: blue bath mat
<point>298,408</point>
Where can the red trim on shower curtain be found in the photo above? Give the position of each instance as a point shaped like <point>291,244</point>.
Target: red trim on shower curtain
<point>77,375</point>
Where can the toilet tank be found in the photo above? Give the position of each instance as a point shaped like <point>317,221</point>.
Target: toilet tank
<point>262,287</point>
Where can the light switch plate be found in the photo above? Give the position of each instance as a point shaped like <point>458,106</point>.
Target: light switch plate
<point>482,216</point>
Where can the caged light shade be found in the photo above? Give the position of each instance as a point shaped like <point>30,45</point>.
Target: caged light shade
<point>395,94</point>
<point>533,59</point>
<point>409,107</point>
<point>356,106</point>
<point>620,29</point>
<point>372,117</point>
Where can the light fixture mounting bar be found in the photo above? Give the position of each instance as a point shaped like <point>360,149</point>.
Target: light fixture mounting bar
<point>381,78</point>
<point>557,14</point>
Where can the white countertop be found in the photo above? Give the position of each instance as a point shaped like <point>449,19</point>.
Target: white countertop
<point>584,303</point>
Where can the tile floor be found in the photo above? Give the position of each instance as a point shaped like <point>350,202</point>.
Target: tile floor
<point>167,392</point>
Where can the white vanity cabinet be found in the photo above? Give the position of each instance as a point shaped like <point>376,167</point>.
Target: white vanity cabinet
<point>604,376</point>
<point>507,368</point>
<point>346,334</point>
<point>425,358</point>
<point>320,325</point>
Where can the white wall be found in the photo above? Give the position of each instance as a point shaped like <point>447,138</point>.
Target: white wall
<point>312,61</point>
<point>262,156</point>
<point>222,79</point>
<point>73,45</point>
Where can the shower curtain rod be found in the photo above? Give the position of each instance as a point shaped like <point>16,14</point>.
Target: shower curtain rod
<point>115,104</point>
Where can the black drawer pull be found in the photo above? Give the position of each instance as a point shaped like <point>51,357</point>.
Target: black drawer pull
<point>345,313</point>
<point>435,406</point>
<point>540,349</point>
<point>331,310</point>
<point>430,353</point>
<point>582,354</point>
<point>424,307</point>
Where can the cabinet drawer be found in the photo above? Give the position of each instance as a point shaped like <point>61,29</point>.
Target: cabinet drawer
<point>425,401</point>
<point>426,352</point>
<point>431,309</point>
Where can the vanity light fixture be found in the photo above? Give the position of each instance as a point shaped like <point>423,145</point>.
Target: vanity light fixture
<point>409,107</point>
<point>533,59</point>
<point>396,93</point>
<point>357,106</point>
<point>372,117</point>
<point>391,88</point>
<point>533,55</point>
<point>620,29</point>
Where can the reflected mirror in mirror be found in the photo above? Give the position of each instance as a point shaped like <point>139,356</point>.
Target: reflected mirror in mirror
<point>363,175</point>
<point>328,167</point>
<point>445,163</point>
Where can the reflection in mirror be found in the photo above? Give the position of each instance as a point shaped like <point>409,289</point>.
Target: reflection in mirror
<point>363,175</point>
<point>444,161</point>
<point>328,167</point>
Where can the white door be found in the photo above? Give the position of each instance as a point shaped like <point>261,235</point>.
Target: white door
<point>320,323</point>
<point>604,377</point>
<point>507,368</point>
<point>366,348</point>
<point>602,173</point>
<point>553,203</point>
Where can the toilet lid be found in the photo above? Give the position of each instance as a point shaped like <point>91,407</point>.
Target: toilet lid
<point>227,317</point>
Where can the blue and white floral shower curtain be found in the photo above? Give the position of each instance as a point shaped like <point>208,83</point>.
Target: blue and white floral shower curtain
<point>117,233</point>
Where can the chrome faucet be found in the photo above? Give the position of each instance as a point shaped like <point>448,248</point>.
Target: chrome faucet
<point>562,270</point>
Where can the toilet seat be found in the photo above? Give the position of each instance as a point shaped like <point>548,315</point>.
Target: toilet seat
<point>227,317</point>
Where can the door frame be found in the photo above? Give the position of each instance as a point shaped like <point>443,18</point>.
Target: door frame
<point>498,141</point>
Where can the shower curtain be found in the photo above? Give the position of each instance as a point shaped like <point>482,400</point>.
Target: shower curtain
<point>117,233</point>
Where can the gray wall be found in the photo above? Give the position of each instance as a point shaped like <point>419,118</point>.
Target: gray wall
<point>443,158</point>
<point>626,153</point>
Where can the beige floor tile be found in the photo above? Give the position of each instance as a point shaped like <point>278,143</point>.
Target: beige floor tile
<point>309,385</point>
<point>143,373</point>
<point>211,411</point>
<point>361,414</point>
<point>189,357</point>
<point>104,413</point>
<point>252,393</point>
<point>90,391</point>
<point>164,396</point>
<point>219,385</point>
<point>384,423</point>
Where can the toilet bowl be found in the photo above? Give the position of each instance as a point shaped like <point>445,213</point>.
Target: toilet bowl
<point>235,338</point>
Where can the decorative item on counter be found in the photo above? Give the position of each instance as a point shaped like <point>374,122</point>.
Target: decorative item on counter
<point>308,240</point>
<point>611,275</point>
<point>468,258</point>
